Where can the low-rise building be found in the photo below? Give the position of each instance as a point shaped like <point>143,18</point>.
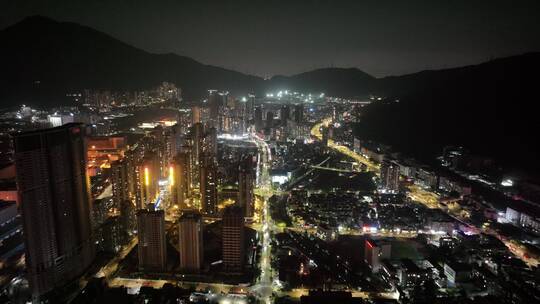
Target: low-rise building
<point>374,252</point>
<point>456,273</point>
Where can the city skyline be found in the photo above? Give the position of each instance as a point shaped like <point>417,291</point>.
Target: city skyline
<point>130,172</point>
<point>253,204</point>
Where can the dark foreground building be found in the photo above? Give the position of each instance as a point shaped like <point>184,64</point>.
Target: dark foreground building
<point>55,202</point>
<point>233,239</point>
<point>152,239</point>
<point>190,240</point>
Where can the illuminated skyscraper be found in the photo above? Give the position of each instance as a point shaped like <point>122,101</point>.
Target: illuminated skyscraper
<point>148,178</point>
<point>245,186</point>
<point>269,119</point>
<point>176,137</point>
<point>299,113</point>
<point>190,237</point>
<point>55,204</point>
<point>258,118</point>
<point>159,151</point>
<point>125,182</point>
<point>250,106</point>
<point>215,104</point>
<point>210,142</point>
<point>390,176</point>
<point>180,179</point>
<point>197,135</point>
<point>119,182</point>
<point>285,114</point>
<point>111,235</point>
<point>152,242</point>
<point>233,239</point>
<point>224,106</point>
<point>208,184</point>
<point>195,115</point>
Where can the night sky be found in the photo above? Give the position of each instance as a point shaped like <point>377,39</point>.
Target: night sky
<point>286,37</point>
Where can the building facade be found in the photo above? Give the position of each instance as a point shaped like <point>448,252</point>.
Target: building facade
<point>233,239</point>
<point>152,241</point>
<point>190,237</point>
<point>55,204</point>
<point>208,185</point>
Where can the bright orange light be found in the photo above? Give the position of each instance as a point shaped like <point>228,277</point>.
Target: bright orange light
<point>171,175</point>
<point>146,176</point>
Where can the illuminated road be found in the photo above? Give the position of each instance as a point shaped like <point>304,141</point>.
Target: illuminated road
<point>157,284</point>
<point>108,270</point>
<point>517,249</point>
<point>333,169</point>
<point>298,292</point>
<point>316,132</point>
<point>300,178</point>
<point>427,198</point>
<point>358,232</point>
<point>263,287</point>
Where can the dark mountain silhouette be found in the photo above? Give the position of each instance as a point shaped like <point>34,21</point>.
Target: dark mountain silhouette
<point>44,59</point>
<point>497,76</point>
<point>489,108</point>
<point>343,82</point>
